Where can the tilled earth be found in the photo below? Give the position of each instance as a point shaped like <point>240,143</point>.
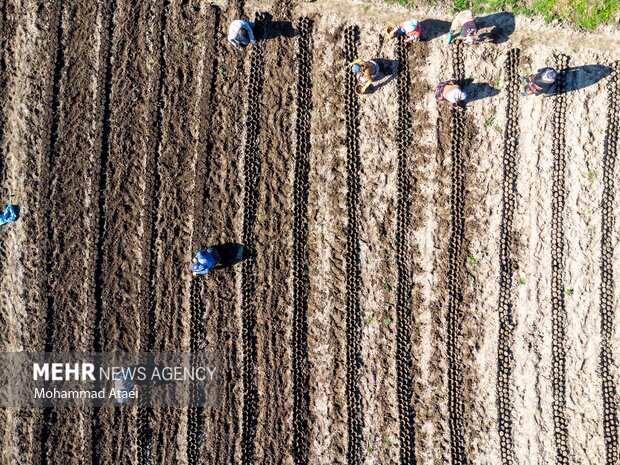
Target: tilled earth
<point>422,285</point>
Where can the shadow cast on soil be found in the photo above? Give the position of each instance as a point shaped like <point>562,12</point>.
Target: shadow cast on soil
<point>580,77</point>
<point>388,70</point>
<point>232,253</point>
<point>478,91</point>
<point>502,26</point>
<point>273,29</point>
<point>433,28</point>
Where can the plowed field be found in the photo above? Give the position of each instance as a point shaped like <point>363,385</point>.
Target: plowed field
<point>422,285</point>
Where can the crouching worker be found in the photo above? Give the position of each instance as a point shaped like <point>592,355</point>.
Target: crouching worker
<point>543,82</point>
<point>240,33</point>
<point>365,72</point>
<point>451,92</point>
<point>464,25</point>
<point>205,261</point>
<point>411,29</point>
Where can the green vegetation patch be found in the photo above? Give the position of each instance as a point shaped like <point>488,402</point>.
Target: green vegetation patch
<point>583,14</point>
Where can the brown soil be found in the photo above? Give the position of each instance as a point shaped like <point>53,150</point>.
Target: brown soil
<point>123,135</point>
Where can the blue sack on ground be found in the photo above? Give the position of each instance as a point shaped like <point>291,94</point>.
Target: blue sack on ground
<point>8,216</point>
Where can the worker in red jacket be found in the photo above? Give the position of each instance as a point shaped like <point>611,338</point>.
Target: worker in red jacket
<point>543,82</point>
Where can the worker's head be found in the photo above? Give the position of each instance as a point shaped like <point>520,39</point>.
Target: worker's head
<point>410,25</point>
<point>243,32</point>
<point>195,267</point>
<point>549,76</point>
<point>356,68</point>
<point>471,39</point>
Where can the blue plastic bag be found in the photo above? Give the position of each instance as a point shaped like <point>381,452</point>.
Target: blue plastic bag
<point>8,216</point>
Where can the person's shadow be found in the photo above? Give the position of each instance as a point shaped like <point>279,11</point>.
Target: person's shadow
<point>502,26</point>
<point>232,253</point>
<point>388,70</point>
<point>478,90</point>
<point>579,77</point>
<point>433,28</point>
<point>271,29</point>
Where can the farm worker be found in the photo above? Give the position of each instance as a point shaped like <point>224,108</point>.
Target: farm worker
<point>450,92</point>
<point>240,33</point>
<point>465,25</point>
<point>8,216</point>
<point>543,82</point>
<point>411,29</point>
<point>123,386</point>
<point>365,72</point>
<point>205,261</point>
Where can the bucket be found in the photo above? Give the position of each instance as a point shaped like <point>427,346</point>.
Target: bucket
<point>359,89</point>
<point>388,31</point>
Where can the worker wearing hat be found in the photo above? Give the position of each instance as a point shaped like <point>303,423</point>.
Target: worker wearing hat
<point>543,82</point>
<point>411,29</point>
<point>366,71</point>
<point>452,93</point>
<point>464,24</point>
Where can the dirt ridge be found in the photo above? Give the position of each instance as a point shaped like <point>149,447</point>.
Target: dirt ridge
<point>404,308</point>
<point>504,357</point>
<point>351,252</point>
<point>300,243</point>
<point>558,308</point>
<point>609,388</point>
<point>455,368</point>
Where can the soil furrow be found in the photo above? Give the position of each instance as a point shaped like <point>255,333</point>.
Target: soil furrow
<point>300,243</point>
<point>7,32</point>
<point>558,309</point>
<point>455,259</point>
<point>75,153</point>
<point>251,171</point>
<point>273,246</point>
<point>146,418</point>
<point>505,360</point>
<point>131,142</point>
<point>351,253</point>
<point>404,288</point>
<point>183,58</point>
<point>326,237</point>
<point>221,225</point>
<point>106,35</point>
<point>377,226</point>
<point>610,153</point>
<point>29,37</point>
<point>431,230</point>
<point>196,438</point>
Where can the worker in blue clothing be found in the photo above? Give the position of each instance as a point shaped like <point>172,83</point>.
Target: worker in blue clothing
<point>205,261</point>
<point>8,216</point>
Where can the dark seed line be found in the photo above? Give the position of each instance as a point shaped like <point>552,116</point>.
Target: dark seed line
<point>301,403</point>
<point>457,227</point>
<point>558,307</point>
<point>352,261</point>
<point>251,170</point>
<point>505,359</point>
<point>404,310</point>
<point>610,404</point>
<point>145,432</point>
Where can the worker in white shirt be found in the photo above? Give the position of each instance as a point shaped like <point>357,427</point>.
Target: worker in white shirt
<point>240,33</point>
<point>450,91</point>
<point>464,24</point>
